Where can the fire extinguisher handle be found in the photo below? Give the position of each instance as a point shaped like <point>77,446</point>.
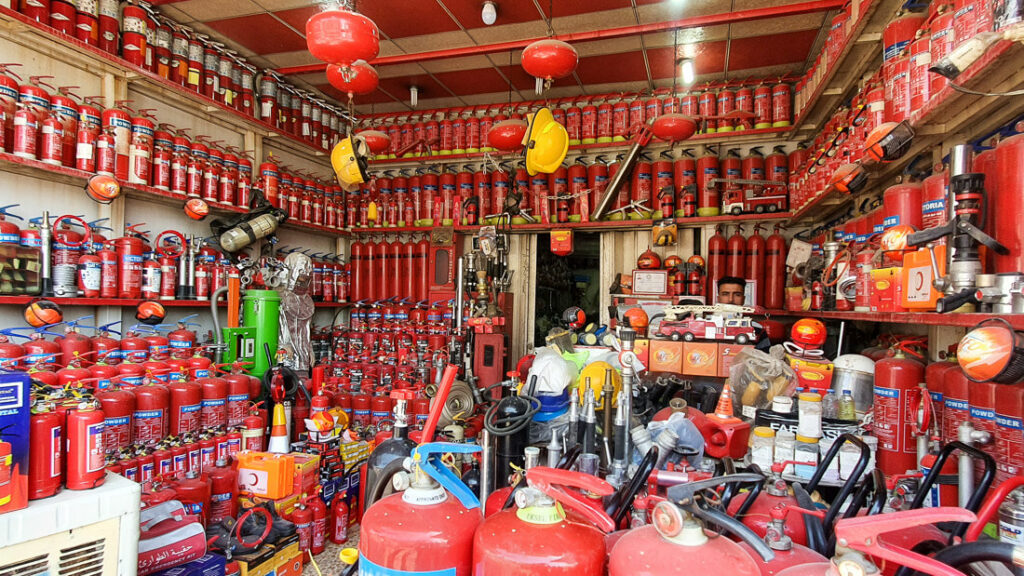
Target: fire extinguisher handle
<point>952,302</point>
<point>554,481</point>
<point>426,457</point>
<point>14,332</point>
<point>106,327</point>
<point>862,533</point>
<point>5,212</point>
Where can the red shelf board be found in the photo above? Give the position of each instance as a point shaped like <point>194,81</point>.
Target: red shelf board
<point>135,302</point>
<point>924,318</point>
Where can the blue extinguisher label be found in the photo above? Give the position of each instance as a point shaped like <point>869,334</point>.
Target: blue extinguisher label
<point>367,568</point>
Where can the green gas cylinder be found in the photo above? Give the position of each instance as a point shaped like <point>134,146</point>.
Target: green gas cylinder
<point>260,310</point>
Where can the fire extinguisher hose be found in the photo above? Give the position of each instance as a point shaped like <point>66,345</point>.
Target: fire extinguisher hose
<point>621,501</point>
<point>966,553</point>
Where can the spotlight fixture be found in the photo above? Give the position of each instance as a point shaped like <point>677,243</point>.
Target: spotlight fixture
<point>489,13</point>
<point>414,96</point>
<point>687,71</point>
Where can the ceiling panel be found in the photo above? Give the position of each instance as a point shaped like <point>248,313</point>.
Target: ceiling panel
<point>708,58</point>
<point>260,33</point>
<point>473,81</point>
<point>467,12</point>
<point>746,53</point>
<point>626,67</point>
<point>399,87</point>
<point>372,98</point>
<point>401,19</point>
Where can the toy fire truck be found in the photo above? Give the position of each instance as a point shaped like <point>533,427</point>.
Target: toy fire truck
<point>719,322</point>
<point>757,196</point>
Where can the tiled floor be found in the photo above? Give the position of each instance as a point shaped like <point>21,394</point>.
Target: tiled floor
<point>328,561</point>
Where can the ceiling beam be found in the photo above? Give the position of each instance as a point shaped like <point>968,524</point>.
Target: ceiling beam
<point>692,22</point>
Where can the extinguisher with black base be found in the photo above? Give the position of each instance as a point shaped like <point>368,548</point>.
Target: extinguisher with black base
<point>443,516</point>
<point>386,459</point>
<point>537,538</point>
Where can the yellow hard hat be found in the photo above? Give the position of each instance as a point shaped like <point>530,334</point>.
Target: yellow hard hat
<point>596,371</point>
<point>546,143</point>
<point>349,161</point>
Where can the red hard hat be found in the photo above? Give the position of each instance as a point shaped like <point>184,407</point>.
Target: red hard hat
<point>809,333</point>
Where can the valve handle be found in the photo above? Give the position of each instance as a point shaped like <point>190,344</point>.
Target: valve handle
<point>5,212</point>
<point>861,534</point>
<point>427,456</point>
<point>166,249</point>
<point>991,506</point>
<point>554,481</point>
<point>46,329</point>
<point>14,332</point>
<point>106,327</point>
<point>86,239</point>
<point>76,323</point>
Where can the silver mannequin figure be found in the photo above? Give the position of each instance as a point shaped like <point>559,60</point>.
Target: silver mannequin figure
<point>297,312</point>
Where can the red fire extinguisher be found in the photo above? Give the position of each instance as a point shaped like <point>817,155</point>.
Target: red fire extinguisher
<point>507,539</point>
<point>151,418</point>
<point>118,409</point>
<point>775,270</point>
<point>897,398</point>
<point>708,197</point>
<point>118,122</point>
<point>45,472</point>
<point>736,250</point>
<point>185,407</point>
<point>716,260</point>
<point>85,449</point>
<point>755,266</point>
<point>437,496</point>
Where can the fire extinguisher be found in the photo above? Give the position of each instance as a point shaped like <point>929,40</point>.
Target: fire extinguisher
<point>708,197</point>
<point>45,461</point>
<point>507,539</point>
<point>437,496</point>
<point>577,184</point>
<point>588,123</point>
<point>90,273</point>
<point>67,246</point>
<point>339,520</point>
<point>897,396</point>
<point>118,122</point>
<point>755,266</point>
<point>684,175</point>
<point>736,249</point>
<point>716,260</point>
<point>25,132</point>
<point>89,129</point>
<point>85,449</point>
<point>118,408</point>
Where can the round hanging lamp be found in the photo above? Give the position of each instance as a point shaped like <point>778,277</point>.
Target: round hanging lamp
<point>339,36</point>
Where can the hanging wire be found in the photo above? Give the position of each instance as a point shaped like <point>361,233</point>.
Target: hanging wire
<point>675,58</point>
<point>551,18</point>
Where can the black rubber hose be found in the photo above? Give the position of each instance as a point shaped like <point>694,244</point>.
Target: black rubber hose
<point>755,491</point>
<point>622,500</point>
<point>878,501</point>
<point>815,531</point>
<point>510,426</point>
<point>961,555</point>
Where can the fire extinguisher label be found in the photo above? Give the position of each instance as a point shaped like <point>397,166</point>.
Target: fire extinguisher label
<point>94,438</point>
<point>368,568</point>
<point>891,221</point>
<point>55,450</point>
<point>149,425</point>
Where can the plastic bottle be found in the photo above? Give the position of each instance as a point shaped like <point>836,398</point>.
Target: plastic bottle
<point>830,405</point>
<point>847,409</point>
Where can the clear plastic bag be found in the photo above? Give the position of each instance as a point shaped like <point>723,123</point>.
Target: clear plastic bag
<point>756,378</point>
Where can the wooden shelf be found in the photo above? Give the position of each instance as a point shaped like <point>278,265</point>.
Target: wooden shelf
<point>861,53</point>
<point>923,318</point>
<point>947,115</point>
<point>23,30</point>
<point>21,300</point>
<point>71,176</point>
<point>741,137</point>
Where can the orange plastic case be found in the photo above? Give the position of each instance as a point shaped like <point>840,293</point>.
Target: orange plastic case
<point>266,475</point>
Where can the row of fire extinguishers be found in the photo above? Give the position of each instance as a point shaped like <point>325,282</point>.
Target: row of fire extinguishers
<point>675,186</point>
<point>78,260</point>
<point>132,147</point>
<point>754,258</point>
<point>595,119</point>
<point>147,39</point>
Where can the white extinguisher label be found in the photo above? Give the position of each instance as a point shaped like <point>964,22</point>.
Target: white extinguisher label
<point>55,450</point>
<point>94,454</point>
<point>368,568</point>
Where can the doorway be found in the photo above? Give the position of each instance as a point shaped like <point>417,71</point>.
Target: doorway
<point>565,281</point>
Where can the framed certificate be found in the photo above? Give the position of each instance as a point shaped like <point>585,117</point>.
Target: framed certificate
<point>650,282</point>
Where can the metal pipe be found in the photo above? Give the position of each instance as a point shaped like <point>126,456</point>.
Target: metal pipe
<point>965,465</point>
<point>46,241</point>
<point>627,336</point>
<point>486,466</point>
<point>218,337</point>
<point>692,22</point>
<point>459,295</point>
<point>621,176</point>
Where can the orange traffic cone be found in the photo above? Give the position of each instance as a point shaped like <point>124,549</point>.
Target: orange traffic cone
<point>724,408</point>
<point>279,432</point>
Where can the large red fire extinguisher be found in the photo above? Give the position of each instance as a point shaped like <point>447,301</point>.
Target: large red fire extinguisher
<point>709,201</point>
<point>755,266</point>
<point>716,260</point>
<point>118,409</point>
<point>185,407</point>
<point>775,270</point>
<point>85,449</point>
<point>736,254</point>
<point>151,418</point>
<point>434,495</point>
<point>684,176</point>
<point>508,539</point>
<point>118,122</point>
<point>1006,196</point>
<point>45,460</point>
<point>897,399</point>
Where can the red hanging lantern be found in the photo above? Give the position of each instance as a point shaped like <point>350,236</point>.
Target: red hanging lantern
<point>549,59</point>
<point>673,127</point>
<point>507,135</point>
<point>342,37</point>
<point>377,141</point>
<point>358,79</point>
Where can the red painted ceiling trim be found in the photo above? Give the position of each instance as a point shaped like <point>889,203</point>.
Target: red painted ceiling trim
<point>693,22</point>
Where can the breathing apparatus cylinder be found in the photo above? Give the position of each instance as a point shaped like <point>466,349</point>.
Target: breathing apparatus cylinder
<point>509,422</point>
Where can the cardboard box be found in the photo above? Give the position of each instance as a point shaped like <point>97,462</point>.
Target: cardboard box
<point>887,290</point>
<point>15,406</point>
<point>666,356</point>
<point>307,473</point>
<point>287,557</point>
<point>726,354</point>
<point>257,563</point>
<point>642,349</point>
<point>700,358</point>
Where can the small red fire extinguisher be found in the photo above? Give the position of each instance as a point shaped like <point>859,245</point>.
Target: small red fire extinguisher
<point>85,451</point>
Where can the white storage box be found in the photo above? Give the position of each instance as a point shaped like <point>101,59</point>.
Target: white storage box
<point>77,532</point>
